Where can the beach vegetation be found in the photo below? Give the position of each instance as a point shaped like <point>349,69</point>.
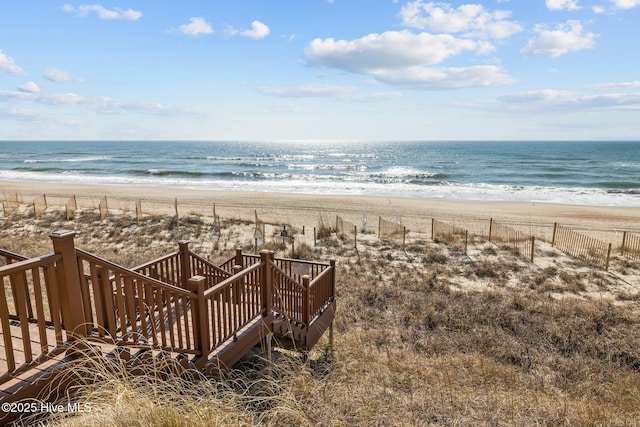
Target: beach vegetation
<point>422,336</point>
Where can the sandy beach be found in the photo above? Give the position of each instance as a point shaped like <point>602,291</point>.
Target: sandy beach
<point>603,222</point>
<point>501,337</point>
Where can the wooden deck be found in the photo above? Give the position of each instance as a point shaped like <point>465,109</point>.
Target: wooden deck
<point>57,309</point>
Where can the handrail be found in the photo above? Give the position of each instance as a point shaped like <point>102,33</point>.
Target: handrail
<point>319,277</point>
<point>289,278</point>
<point>155,261</point>
<point>90,257</point>
<point>16,267</point>
<point>29,293</point>
<point>210,264</point>
<point>231,279</point>
<point>12,255</point>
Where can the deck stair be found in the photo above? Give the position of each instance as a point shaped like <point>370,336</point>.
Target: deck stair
<point>71,307</point>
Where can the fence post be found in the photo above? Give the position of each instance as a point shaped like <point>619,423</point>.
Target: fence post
<point>315,237</point>
<point>355,236</point>
<point>553,239</point>
<point>533,247</point>
<point>379,226</point>
<point>490,227</point>
<point>624,240</point>
<point>433,225</point>
<point>68,275</point>
<point>197,285</point>
<point>138,211</point>
<point>175,205</point>
<point>608,256</point>
<point>185,265</point>
<point>266,289</point>
<point>466,240</point>
<point>404,237</point>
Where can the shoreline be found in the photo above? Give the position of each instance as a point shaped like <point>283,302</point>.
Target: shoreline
<point>306,208</point>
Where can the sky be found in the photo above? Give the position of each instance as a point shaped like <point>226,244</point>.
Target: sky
<point>314,70</point>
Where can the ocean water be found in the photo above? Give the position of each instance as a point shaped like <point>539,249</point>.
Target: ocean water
<point>590,173</point>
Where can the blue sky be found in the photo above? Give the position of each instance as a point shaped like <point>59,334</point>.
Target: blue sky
<point>320,70</point>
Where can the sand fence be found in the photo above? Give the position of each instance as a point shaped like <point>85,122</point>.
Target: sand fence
<point>593,251</point>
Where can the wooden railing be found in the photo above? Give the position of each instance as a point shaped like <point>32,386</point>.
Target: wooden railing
<point>76,294</point>
<point>167,269</point>
<point>225,309</point>
<point>295,268</point>
<point>29,295</point>
<point>9,257</point>
<point>129,308</point>
<point>176,268</point>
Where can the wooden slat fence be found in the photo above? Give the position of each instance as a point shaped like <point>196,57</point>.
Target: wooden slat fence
<point>392,230</point>
<point>520,242</point>
<point>10,204</point>
<point>260,233</point>
<point>103,207</point>
<point>39,205</point>
<point>29,296</point>
<point>631,245</point>
<point>71,207</point>
<point>593,251</point>
<point>347,229</point>
<point>452,235</point>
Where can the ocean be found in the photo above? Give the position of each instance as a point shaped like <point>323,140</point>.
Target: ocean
<point>589,173</point>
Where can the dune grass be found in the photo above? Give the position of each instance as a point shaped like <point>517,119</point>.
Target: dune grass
<point>424,336</point>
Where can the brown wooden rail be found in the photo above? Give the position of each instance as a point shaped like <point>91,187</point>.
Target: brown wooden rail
<point>180,303</point>
<point>29,295</point>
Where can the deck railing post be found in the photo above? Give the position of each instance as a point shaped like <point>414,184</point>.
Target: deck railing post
<point>185,265</point>
<point>239,257</point>
<point>197,285</point>
<point>68,274</point>
<point>266,287</point>
<point>306,300</point>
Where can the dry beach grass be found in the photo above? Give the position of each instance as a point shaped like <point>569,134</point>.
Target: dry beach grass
<point>423,336</point>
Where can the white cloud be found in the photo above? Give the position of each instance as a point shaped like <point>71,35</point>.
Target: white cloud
<point>388,50</point>
<point>8,64</point>
<point>446,78</point>
<point>563,5</point>
<point>306,91</point>
<point>345,93</point>
<point>258,31</point>
<point>58,76</point>
<point>20,114</point>
<point>29,87</point>
<point>196,27</point>
<point>103,13</point>
<point>102,104</point>
<point>598,9</point>
<point>470,20</point>
<point>563,99</point>
<point>404,59</point>
<point>568,37</point>
<point>625,4</point>
<point>622,85</point>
